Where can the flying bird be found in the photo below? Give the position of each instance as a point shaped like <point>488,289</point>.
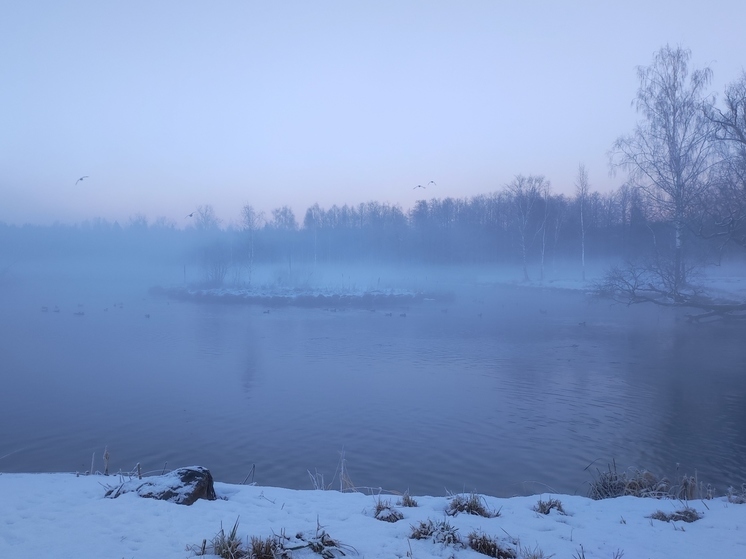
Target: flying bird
<point>418,186</point>
<point>190,215</point>
<point>80,179</point>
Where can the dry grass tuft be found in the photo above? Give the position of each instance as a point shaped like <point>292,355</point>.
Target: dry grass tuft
<point>691,488</point>
<point>407,501</point>
<point>226,546</point>
<point>440,532</point>
<point>638,483</point>
<point>545,507</point>
<point>385,511</point>
<point>470,504</point>
<point>687,514</point>
<point>535,553</point>
<point>641,483</point>
<point>267,548</point>
<point>423,530</point>
<point>737,497</point>
<point>487,545</point>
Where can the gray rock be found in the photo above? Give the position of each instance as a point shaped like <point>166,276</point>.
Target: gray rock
<point>182,486</point>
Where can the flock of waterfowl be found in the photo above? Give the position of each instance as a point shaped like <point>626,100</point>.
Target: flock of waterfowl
<point>81,312</point>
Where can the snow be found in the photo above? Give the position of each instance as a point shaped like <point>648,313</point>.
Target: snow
<point>66,516</point>
<point>303,297</point>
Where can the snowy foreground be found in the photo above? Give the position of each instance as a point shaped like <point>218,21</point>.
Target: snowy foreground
<point>64,516</point>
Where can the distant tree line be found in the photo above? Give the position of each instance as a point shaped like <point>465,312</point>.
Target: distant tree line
<point>524,221</point>
<point>523,224</point>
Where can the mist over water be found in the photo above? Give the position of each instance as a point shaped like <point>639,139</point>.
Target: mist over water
<point>501,389</point>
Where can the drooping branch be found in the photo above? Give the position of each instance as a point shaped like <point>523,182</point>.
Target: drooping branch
<point>633,284</point>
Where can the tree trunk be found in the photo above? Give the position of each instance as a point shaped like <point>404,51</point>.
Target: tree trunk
<point>679,273</point>
<point>523,253</point>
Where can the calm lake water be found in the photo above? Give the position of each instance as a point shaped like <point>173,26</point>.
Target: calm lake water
<point>518,400</point>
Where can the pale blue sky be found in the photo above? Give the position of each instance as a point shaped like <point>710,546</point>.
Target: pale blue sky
<point>166,105</point>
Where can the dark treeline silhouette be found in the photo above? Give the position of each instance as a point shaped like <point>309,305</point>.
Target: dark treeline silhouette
<point>524,224</point>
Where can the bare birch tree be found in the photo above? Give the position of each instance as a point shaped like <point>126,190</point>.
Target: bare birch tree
<point>581,191</point>
<point>545,195</point>
<point>251,221</point>
<point>206,219</point>
<point>559,216</point>
<point>725,208</point>
<point>312,221</point>
<point>670,153</point>
<point>524,193</point>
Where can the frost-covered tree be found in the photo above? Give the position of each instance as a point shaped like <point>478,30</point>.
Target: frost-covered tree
<point>725,208</point>
<point>283,219</point>
<point>250,222</point>
<point>205,218</point>
<point>525,193</point>
<point>582,188</point>
<point>670,153</point>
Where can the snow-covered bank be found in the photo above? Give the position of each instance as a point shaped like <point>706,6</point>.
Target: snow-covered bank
<point>64,516</point>
<point>300,297</point>
<point>376,286</point>
<point>720,282</point>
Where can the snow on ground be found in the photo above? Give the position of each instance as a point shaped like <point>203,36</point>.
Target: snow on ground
<point>724,283</point>
<point>360,285</point>
<point>64,516</point>
<point>304,297</point>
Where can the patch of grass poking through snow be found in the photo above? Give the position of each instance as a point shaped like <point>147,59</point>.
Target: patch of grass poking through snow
<point>737,497</point>
<point>267,548</point>
<point>229,546</point>
<point>638,483</point>
<point>545,507</point>
<point>407,500</point>
<point>580,554</point>
<point>440,532</point>
<point>320,542</point>
<point>422,531</point>
<point>487,545</point>
<point>641,483</point>
<point>326,546</point>
<point>535,553</point>
<point>386,512</point>
<point>687,514</point>
<point>470,504</point>
<point>226,546</point>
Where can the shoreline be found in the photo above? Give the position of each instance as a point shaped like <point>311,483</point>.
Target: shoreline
<point>67,516</point>
<point>297,297</point>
